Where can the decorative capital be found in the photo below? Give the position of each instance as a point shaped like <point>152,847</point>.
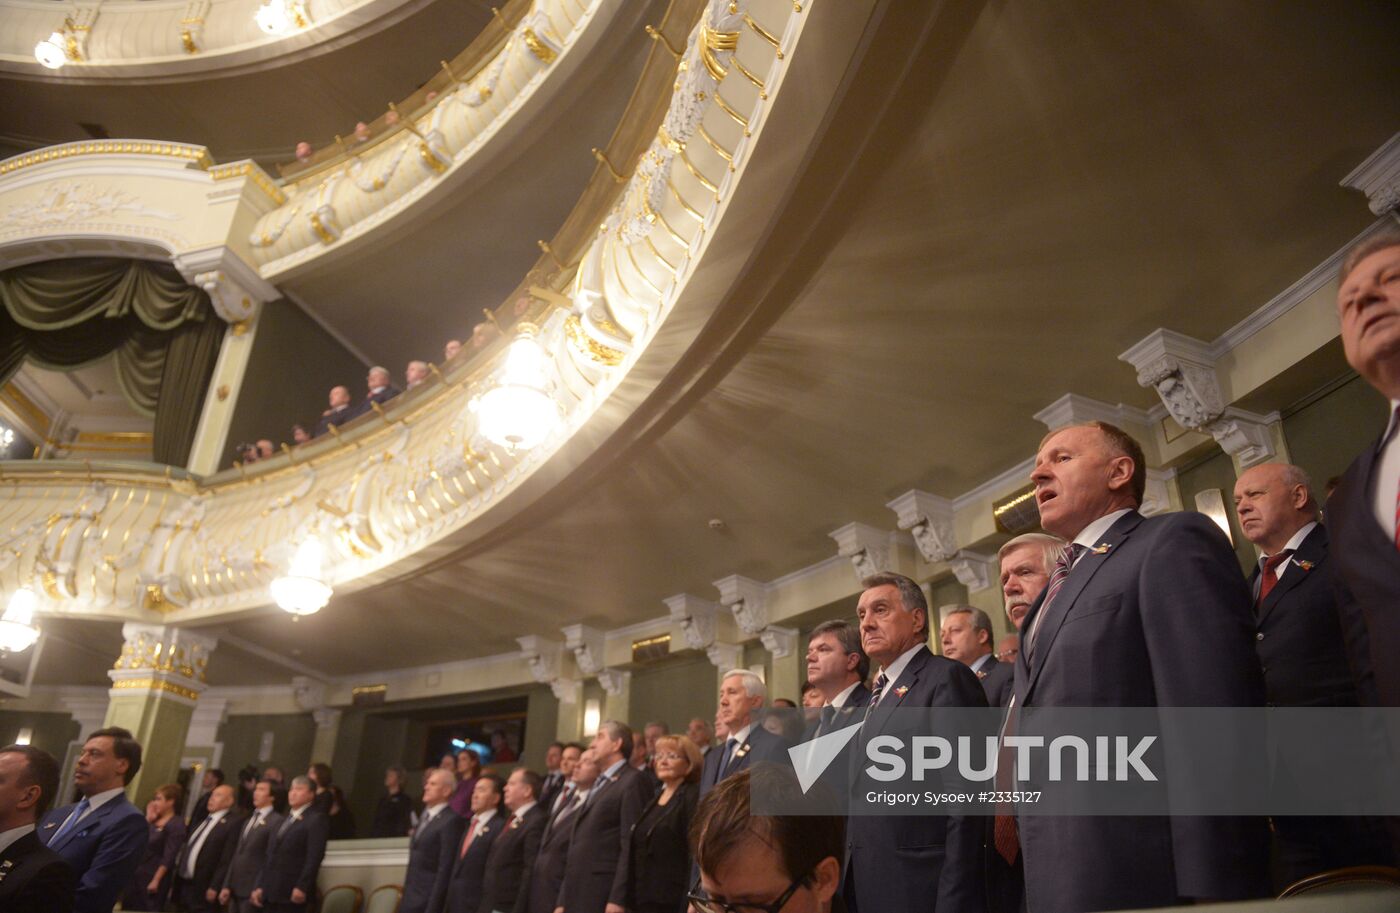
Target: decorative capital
<point>747,599</point>
<point>326,717</point>
<point>973,570</point>
<point>781,642</point>
<point>162,658</point>
<point>542,655</point>
<point>1182,371</point>
<point>1244,437</point>
<point>235,288</point>
<point>567,690</point>
<point>310,693</point>
<point>614,681</point>
<point>694,618</point>
<point>868,548</point>
<point>1073,409</point>
<point>725,656</point>
<point>1379,178</point>
<point>929,519</point>
<point>587,646</point>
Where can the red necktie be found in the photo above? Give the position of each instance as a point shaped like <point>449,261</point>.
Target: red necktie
<point>1269,578</point>
<point>471,835</point>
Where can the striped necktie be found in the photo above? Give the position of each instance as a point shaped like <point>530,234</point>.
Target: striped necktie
<point>1063,566</point>
<point>880,684</point>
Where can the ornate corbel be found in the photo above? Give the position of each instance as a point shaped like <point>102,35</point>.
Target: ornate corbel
<point>614,681</point>
<point>695,618</point>
<point>725,656</point>
<point>587,646</point>
<point>542,655</point>
<point>929,519</point>
<point>781,642</point>
<point>747,599</point>
<point>1379,178</point>
<point>566,690</point>
<point>867,548</point>
<point>1182,372</point>
<point>973,570</point>
<point>1245,437</point>
<point>310,693</point>
<point>235,289</point>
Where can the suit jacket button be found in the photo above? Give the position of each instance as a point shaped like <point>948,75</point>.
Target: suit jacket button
<point>1259,636</point>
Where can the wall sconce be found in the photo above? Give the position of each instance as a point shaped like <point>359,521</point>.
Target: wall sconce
<point>26,734</point>
<point>1211,502</point>
<point>592,716</point>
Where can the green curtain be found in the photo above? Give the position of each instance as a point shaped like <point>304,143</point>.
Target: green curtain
<point>162,333</point>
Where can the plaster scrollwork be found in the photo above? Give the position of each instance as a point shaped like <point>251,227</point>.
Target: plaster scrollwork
<point>695,619</point>
<point>1190,391</point>
<point>867,548</point>
<point>614,681</point>
<point>725,656</point>
<point>973,571</point>
<point>929,519</point>
<point>326,717</point>
<point>586,643</point>
<point>1245,440</point>
<point>310,693</point>
<point>747,600</point>
<point>62,203</point>
<point>542,656</point>
<point>159,578</point>
<point>1379,178</point>
<point>231,301</point>
<point>567,690</point>
<point>781,642</point>
<point>67,532</point>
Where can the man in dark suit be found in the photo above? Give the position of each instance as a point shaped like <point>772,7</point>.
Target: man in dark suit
<point>542,893</point>
<point>512,856</point>
<point>33,878</point>
<point>837,668</point>
<point>199,810</point>
<point>380,390</point>
<point>1300,644</point>
<point>202,864</point>
<point>1362,513</point>
<point>287,882</point>
<point>555,776</point>
<point>250,852</point>
<point>337,413</point>
<point>438,833</point>
<point>966,635</point>
<point>103,837</point>
<point>1113,629</point>
<point>463,876</point>
<point>592,880</point>
<point>741,698</point>
<point>907,862</point>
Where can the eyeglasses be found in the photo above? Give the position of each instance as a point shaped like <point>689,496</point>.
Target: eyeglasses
<point>705,904</point>
<point>670,756</point>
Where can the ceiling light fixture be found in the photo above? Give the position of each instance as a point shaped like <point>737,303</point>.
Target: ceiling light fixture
<point>50,52</point>
<point>302,591</point>
<point>518,412</point>
<point>276,17</point>
<point>17,629</point>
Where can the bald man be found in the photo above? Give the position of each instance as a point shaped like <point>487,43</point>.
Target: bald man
<point>337,413</point>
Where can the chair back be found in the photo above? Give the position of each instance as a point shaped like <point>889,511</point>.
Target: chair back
<point>343,898</point>
<point>1346,881</point>
<point>384,899</point>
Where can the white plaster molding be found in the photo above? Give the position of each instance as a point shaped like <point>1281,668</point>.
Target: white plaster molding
<point>779,641</point>
<point>234,287</point>
<point>1156,498</point>
<point>973,570</point>
<point>209,714</point>
<point>1182,372</point>
<point>310,693</point>
<point>326,717</point>
<point>90,712</point>
<point>586,643</point>
<point>1244,436</point>
<point>567,690</point>
<point>614,681</point>
<point>747,600</point>
<point>1379,178</point>
<point>542,655</point>
<point>725,656</point>
<point>869,550</point>
<point>348,855</point>
<point>1073,409</point>
<point>694,618</point>
<point>930,520</point>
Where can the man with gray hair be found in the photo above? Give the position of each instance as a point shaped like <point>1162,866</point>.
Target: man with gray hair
<point>1301,648</point>
<point>742,695</point>
<point>1026,563</point>
<point>966,636</point>
<point>415,373</point>
<point>926,862</point>
<point>837,668</point>
<point>380,390</point>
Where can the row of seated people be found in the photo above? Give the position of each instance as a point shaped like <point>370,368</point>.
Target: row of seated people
<point>379,388</point>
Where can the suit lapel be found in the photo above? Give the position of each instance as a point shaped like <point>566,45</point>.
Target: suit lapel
<point>894,694</point>
<point>1312,551</point>
<point>1079,576</point>
<point>93,820</point>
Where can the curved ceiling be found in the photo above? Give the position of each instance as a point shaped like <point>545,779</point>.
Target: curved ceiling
<point>1019,183</point>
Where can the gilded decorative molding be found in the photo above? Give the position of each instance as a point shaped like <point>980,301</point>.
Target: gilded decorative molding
<point>198,155</point>
<point>155,684</point>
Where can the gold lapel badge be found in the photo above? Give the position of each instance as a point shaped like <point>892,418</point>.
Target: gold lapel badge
<point>1102,548</point>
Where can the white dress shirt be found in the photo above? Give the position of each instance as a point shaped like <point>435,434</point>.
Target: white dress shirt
<point>1091,534</point>
<point>840,700</point>
<point>1386,477</point>
<point>985,661</point>
<point>893,671</point>
<point>205,828</point>
<point>1292,545</point>
<point>97,801</point>
<point>520,812</point>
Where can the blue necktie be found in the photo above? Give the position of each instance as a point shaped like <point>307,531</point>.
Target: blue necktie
<point>71,823</point>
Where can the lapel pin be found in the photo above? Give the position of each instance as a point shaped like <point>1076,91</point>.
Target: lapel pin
<point>901,691</point>
<point>1102,548</point>
<point>1305,565</point>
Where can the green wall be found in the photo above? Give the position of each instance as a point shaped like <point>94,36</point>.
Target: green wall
<point>675,690</point>
<point>292,737</point>
<point>1325,435</point>
<point>293,365</point>
<point>51,731</point>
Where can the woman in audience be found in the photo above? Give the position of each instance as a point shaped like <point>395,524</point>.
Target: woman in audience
<point>150,886</point>
<point>468,772</point>
<point>655,854</point>
<point>342,821</point>
<point>320,774</point>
